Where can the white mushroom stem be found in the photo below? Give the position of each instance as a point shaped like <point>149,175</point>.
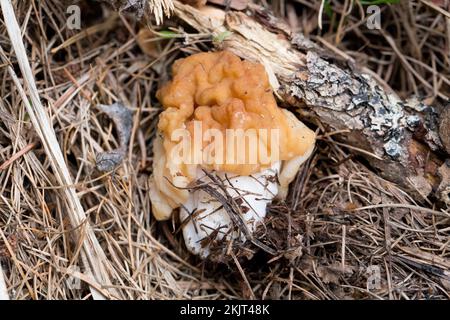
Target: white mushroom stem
<point>206,220</point>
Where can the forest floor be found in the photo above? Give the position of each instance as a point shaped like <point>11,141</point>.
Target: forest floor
<point>357,236</point>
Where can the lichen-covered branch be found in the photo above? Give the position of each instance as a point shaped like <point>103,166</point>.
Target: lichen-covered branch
<point>401,138</point>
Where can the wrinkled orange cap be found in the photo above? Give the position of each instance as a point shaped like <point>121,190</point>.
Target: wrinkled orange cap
<point>224,92</point>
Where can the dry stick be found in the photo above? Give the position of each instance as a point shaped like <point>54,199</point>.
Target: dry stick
<point>107,25</point>
<point>407,65</point>
<point>437,8</point>
<point>242,272</point>
<point>406,206</point>
<point>95,257</point>
<point>3,289</point>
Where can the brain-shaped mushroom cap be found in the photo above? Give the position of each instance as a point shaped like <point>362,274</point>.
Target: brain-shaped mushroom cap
<point>224,93</point>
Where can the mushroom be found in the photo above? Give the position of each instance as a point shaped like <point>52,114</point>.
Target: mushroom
<point>222,136</point>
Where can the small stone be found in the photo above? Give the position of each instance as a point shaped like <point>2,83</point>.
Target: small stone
<point>393,149</point>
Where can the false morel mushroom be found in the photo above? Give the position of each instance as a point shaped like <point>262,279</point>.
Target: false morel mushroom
<point>222,140</point>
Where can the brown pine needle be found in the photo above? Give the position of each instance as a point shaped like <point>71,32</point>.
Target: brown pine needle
<point>17,155</point>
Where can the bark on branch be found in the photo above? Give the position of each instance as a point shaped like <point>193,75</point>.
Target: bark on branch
<point>402,136</point>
